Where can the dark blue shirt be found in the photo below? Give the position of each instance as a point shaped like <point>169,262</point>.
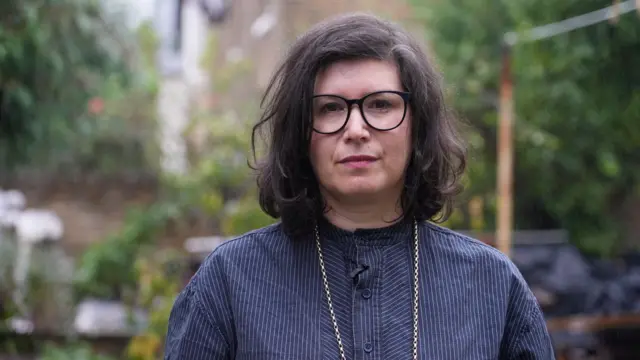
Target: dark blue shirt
<point>261,296</point>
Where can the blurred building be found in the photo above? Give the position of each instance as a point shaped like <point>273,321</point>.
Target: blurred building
<point>263,29</point>
<point>254,29</point>
<point>257,30</point>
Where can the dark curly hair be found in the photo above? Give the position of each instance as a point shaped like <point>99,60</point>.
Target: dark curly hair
<point>288,188</point>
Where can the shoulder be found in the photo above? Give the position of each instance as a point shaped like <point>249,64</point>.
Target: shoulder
<point>461,251</point>
<point>251,242</point>
<point>490,272</point>
<point>463,247</point>
<point>234,262</point>
<point>243,255</point>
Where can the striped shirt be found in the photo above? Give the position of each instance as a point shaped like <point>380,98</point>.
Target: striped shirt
<point>261,296</point>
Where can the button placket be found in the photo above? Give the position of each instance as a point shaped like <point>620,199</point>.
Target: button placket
<point>370,255</point>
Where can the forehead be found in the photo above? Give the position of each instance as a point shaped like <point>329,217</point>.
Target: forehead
<point>355,78</point>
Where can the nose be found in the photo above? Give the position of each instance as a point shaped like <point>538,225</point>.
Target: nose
<point>356,127</point>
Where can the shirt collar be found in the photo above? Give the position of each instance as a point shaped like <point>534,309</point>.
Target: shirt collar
<point>388,235</point>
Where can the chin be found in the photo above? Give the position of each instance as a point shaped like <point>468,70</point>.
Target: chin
<point>359,192</point>
<point>365,187</point>
<point>359,189</point>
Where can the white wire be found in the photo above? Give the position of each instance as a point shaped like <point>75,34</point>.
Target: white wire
<point>576,22</point>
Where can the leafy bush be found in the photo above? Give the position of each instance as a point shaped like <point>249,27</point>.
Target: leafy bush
<point>576,134</point>
<point>70,96</point>
<point>79,351</point>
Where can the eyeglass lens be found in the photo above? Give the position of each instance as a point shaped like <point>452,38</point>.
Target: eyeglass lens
<point>381,110</point>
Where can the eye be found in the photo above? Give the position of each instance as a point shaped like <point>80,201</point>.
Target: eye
<point>332,107</point>
<point>380,104</point>
<point>383,102</point>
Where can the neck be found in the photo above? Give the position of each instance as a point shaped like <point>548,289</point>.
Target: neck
<point>365,215</point>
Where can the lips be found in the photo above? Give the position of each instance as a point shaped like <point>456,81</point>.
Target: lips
<point>358,159</point>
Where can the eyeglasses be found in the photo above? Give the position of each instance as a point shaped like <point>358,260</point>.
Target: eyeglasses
<point>381,110</point>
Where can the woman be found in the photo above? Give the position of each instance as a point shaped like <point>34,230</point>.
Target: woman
<point>362,153</point>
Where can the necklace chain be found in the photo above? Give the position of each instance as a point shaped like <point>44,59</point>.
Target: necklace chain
<point>415,292</point>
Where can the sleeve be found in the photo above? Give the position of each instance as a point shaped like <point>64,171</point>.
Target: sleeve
<point>191,334</point>
<point>526,336</point>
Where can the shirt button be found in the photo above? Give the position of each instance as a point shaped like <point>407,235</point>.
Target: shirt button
<point>368,347</point>
<point>366,293</point>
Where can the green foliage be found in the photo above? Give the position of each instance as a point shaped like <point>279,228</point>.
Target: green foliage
<point>62,64</point>
<point>577,106</point>
<point>107,269</point>
<point>78,351</point>
<point>219,186</point>
<point>219,158</point>
<point>243,216</point>
<point>159,282</point>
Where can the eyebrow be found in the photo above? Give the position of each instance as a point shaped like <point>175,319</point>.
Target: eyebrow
<point>361,96</point>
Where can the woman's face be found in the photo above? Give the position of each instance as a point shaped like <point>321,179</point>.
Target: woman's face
<point>359,163</point>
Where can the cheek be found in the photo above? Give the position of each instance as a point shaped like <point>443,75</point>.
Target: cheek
<point>398,157</point>
<point>399,146</point>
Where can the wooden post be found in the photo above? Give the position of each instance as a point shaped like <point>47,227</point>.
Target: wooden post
<point>505,157</point>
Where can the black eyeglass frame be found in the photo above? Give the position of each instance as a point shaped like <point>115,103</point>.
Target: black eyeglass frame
<point>403,94</point>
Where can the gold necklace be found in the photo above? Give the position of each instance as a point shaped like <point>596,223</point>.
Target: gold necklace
<point>415,292</point>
